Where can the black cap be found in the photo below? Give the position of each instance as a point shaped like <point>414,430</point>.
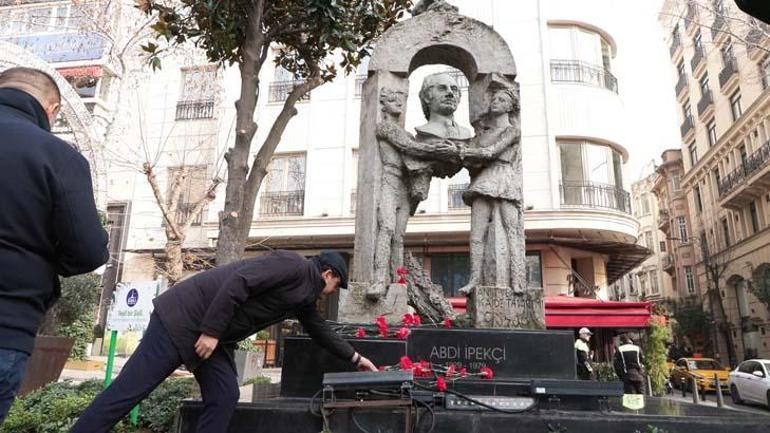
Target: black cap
<point>334,260</point>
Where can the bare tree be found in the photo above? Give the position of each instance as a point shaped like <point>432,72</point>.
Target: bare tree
<point>715,265</point>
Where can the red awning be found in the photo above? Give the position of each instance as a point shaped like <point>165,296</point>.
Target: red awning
<point>571,312</point>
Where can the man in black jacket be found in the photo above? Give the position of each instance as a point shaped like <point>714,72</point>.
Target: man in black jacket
<point>198,322</point>
<point>629,366</point>
<point>48,219</point>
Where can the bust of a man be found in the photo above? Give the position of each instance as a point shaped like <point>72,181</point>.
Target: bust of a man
<point>439,97</point>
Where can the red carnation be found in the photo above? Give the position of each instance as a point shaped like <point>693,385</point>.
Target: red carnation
<point>402,272</point>
<point>422,369</point>
<point>360,333</point>
<point>463,372</point>
<point>451,371</point>
<point>416,320</point>
<point>440,384</point>
<point>402,333</point>
<point>405,363</point>
<point>486,373</point>
<point>382,325</point>
<point>407,320</point>
<point>447,323</point>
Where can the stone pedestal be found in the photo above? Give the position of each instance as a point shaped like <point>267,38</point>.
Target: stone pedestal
<point>502,307</point>
<point>356,307</point>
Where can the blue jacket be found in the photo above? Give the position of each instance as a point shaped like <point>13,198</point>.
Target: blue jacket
<point>48,220</point>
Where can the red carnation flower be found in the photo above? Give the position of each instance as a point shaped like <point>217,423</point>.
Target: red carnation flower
<point>402,272</point>
<point>451,371</point>
<point>416,319</point>
<point>463,372</point>
<point>407,320</point>
<point>447,323</point>
<point>360,333</point>
<point>382,325</point>
<point>422,369</point>
<point>405,363</point>
<point>486,373</point>
<point>402,333</point>
<point>440,384</point>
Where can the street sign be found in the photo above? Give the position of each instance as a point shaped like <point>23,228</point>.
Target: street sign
<point>131,306</point>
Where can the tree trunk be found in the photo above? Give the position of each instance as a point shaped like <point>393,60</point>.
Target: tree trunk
<point>427,298</point>
<point>174,261</point>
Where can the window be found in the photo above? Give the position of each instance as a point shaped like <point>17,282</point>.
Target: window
<point>725,232</point>
<point>680,69</point>
<point>653,283</point>
<point>284,194</point>
<point>534,269</point>
<point>687,109</point>
<point>698,201</point>
<point>689,280</point>
<point>645,204</point>
<point>193,189</point>
<point>764,71</point>
<point>662,246</point>
<point>590,176</point>
<point>735,105</point>
<point>717,179</point>
<point>648,241</point>
<point>580,55</point>
<point>744,155</point>
<point>682,223</point>
<point>712,132</point>
<point>727,52</point>
<point>754,216</point>
<point>703,83</point>
<point>698,41</point>
<point>450,270</point>
<point>693,154</point>
<point>676,184</point>
<point>198,83</point>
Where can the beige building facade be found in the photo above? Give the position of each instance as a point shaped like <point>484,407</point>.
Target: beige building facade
<point>720,58</point>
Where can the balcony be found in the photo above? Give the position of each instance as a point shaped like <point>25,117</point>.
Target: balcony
<point>697,59</point>
<point>705,102</point>
<point>687,126</point>
<point>193,110</point>
<point>360,80</point>
<point>718,28</point>
<point>668,263</point>
<point>676,44</point>
<point>594,195</point>
<point>575,71</point>
<point>729,70</point>
<point>664,219</point>
<point>455,196</point>
<point>756,41</point>
<point>279,91</point>
<point>748,182</point>
<point>692,11</point>
<point>282,203</point>
<point>681,84</point>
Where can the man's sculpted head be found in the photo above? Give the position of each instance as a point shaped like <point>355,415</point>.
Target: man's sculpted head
<point>440,94</point>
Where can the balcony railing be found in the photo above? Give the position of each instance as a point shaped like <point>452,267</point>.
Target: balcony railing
<point>728,70</point>
<point>595,195</point>
<point>663,217</point>
<point>461,79</point>
<point>705,101</point>
<point>686,125</point>
<point>575,71</point>
<point>757,160</point>
<point>279,91</point>
<point>755,41</point>
<point>282,203</point>
<point>676,42</point>
<point>697,58</point>
<point>717,26</point>
<point>681,84</point>
<point>360,80</point>
<point>455,194</point>
<point>668,261</point>
<point>191,110</point>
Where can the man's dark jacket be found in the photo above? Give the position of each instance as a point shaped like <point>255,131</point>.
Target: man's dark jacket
<point>48,219</point>
<point>234,301</point>
<point>629,363</point>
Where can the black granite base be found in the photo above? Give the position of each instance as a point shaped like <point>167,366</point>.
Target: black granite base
<point>293,416</point>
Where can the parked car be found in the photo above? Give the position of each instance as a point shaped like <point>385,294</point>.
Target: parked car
<point>703,370</point>
<point>751,382</point>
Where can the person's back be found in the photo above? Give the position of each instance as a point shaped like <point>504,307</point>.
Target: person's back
<point>48,220</point>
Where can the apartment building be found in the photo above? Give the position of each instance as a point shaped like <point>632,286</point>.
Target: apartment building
<point>720,57</point>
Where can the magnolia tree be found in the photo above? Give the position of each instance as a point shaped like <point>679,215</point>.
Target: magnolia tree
<point>315,39</point>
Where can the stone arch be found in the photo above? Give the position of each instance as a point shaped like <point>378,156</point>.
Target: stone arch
<point>86,139</point>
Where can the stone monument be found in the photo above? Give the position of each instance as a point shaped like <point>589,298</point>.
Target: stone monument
<point>396,167</point>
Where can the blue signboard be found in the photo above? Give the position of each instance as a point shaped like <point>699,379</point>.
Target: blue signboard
<point>62,47</point>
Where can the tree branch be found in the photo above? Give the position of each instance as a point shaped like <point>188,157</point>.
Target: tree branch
<point>167,217</point>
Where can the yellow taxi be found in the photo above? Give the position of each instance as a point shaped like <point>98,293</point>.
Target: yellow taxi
<point>703,370</point>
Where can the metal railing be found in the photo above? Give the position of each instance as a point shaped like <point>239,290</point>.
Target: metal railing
<point>716,27</point>
<point>668,260</point>
<point>756,161</point>
<point>461,79</point>
<point>686,125</point>
<point>455,195</point>
<point>728,70</point>
<point>705,101</point>
<point>191,110</point>
<point>360,80</point>
<point>681,83</point>
<point>596,195</point>
<point>663,216</point>
<point>279,90</point>
<point>697,57</point>
<point>676,42</point>
<point>575,71</point>
<point>282,203</point>
<point>754,40</point>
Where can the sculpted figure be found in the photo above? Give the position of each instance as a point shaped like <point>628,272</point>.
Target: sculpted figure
<point>494,162</point>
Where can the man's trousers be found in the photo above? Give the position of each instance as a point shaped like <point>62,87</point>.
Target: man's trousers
<point>153,361</point>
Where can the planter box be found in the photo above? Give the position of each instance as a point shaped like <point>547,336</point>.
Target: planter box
<point>264,391</point>
<point>247,364</point>
<point>46,362</point>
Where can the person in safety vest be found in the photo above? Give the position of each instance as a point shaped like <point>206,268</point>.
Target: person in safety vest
<point>583,354</point>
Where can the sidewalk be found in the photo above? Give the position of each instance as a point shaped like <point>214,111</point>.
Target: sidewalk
<point>712,402</point>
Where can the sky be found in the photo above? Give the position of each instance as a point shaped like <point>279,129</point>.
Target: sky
<point>653,120</point>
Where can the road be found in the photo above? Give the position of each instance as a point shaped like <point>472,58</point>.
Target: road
<point>711,399</point>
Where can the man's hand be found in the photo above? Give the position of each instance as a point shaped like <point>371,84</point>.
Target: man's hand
<point>205,346</point>
<point>365,365</point>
